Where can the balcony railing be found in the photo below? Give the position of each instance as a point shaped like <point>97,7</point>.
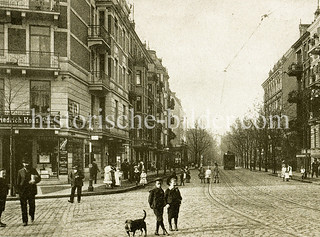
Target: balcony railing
<point>98,32</point>
<point>295,69</point>
<point>100,78</point>
<point>35,59</point>
<point>35,5</point>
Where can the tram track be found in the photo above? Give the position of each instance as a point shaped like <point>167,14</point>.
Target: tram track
<point>287,200</point>
<point>210,195</point>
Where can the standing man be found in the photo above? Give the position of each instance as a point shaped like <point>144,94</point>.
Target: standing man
<point>27,179</point>
<point>76,178</point>
<point>4,188</point>
<point>315,167</point>
<point>157,203</point>
<point>94,171</point>
<point>125,169</point>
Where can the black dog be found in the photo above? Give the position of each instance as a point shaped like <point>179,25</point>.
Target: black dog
<point>134,225</point>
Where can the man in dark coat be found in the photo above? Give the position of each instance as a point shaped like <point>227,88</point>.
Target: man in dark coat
<point>157,203</point>
<point>3,193</point>
<point>94,171</point>
<point>27,179</point>
<point>125,169</point>
<point>76,179</point>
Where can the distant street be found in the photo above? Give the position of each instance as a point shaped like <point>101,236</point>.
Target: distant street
<point>244,204</point>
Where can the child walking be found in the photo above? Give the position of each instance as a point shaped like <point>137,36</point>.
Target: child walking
<point>173,200</point>
<point>143,177</point>
<point>136,175</point>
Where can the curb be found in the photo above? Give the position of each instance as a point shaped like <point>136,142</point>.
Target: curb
<point>109,191</point>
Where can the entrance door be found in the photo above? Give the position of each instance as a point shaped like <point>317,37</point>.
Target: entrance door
<point>22,146</point>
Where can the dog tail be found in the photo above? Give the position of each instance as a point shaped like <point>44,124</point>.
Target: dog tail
<point>145,215</point>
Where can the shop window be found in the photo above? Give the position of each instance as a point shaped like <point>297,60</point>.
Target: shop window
<point>40,96</point>
<point>47,157</point>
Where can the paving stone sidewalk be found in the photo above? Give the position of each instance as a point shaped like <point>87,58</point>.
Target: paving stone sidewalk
<point>63,190</point>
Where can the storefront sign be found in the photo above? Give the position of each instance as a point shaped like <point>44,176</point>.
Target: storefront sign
<point>44,159</point>
<point>63,163</point>
<point>28,120</point>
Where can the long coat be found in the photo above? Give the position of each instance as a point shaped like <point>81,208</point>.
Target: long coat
<point>76,179</point>
<point>24,188</point>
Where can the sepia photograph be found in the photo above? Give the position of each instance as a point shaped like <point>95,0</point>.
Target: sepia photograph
<point>193,118</point>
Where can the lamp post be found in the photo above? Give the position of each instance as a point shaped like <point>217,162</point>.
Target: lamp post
<point>90,188</point>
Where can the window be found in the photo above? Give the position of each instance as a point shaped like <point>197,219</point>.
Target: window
<point>116,112</point>
<point>102,63</point>
<point>40,96</point>
<point>73,108</point>
<point>2,95</point>
<point>139,103</point>
<point>138,77</point>
<point>124,77</point>
<point>120,76</point>
<point>116,29</point>
<point>101,18</point>
<point>123,39</point>
<point>40,46</point>
<point>1,39</point>
<point>116,70</point>
<point>16,40</point>
<point>124,113</point>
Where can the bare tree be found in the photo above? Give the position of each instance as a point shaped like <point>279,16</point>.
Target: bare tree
<point>199,140</point>
<point>13,98</point>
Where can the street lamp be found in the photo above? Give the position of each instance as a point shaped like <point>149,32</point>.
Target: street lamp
<point>90,188</point>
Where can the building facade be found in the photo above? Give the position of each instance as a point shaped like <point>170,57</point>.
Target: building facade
<point>73,74</point>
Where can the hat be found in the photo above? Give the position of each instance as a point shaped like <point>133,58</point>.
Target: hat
<point>26,161</point>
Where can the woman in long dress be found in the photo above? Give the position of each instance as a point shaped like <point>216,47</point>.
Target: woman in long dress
<point>117,176</point>
<point>283,171</point>
<point>107,176</point>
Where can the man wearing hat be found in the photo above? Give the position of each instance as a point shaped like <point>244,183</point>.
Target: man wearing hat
<point>27,179</point>
<point>94,171</point>
<point>76,179</point>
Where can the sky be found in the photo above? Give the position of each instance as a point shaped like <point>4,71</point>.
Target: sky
<point>198,39</point>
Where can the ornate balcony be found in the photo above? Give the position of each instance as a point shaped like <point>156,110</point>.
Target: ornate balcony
<point>295,69</point>
<point>37,60</point>
<point>140,61</point>
<point>100,82</point>
<point>32,6</point>
<point>98,36</point>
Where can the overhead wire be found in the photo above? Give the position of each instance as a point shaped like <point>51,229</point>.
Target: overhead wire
<point>239,51</point>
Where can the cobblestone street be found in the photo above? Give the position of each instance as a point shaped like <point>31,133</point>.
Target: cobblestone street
<point>244,204</point>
